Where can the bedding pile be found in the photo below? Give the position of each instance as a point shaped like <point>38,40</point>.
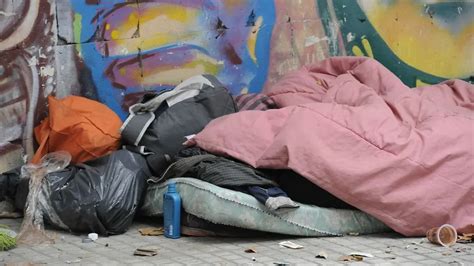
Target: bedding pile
<point>350,126</point>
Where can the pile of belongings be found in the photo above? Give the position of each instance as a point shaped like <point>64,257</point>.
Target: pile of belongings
<point>103,188</point>
<point>344,133</point>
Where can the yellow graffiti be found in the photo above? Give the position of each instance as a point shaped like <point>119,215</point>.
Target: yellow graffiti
<point>357,51</point>
<point>367,48</point>
<point>124,30</point>
<point>150,76</point>
<point>420,83</point>
<point>115,34</point>
<point>160,25</point>
<point>421,41</point>
<point>252,39</point>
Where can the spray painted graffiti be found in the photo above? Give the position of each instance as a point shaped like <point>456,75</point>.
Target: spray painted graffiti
<point>25,74</point>
<point>154,45</point>
<point>421,41</point>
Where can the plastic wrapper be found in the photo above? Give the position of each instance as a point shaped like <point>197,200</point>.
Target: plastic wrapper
<point>32,228</point>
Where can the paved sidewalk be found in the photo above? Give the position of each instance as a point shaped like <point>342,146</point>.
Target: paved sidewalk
<point>387,249</point>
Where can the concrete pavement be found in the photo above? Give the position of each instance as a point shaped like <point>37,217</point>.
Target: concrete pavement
<point>387,249</point>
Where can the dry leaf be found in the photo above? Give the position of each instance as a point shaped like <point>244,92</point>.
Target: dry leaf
<point>322,255</point>
<point>151,231</point>
<point>345,258</point>
<point>351,258</point>
<point>466,238</point>
<point>146,251</point>
<point>250,250</point>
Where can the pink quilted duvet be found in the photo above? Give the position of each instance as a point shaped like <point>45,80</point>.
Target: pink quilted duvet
<point>405,156</point>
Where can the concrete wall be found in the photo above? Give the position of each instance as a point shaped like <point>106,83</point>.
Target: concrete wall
<point>114,50</point>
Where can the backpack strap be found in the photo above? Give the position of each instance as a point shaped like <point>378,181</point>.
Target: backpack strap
<point>186,89</point>
<point>135,127</point>
<point>137,149</point>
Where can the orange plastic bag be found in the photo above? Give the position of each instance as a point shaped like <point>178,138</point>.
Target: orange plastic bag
<point>85,128</point>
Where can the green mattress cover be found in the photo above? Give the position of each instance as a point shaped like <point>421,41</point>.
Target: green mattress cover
<point>224,206</point>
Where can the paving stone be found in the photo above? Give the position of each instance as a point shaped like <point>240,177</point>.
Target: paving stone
<point>230,251</point>
<point>132,260</point>
<point>160,261</point>
<point>431,262</point>
<point>469,258</point>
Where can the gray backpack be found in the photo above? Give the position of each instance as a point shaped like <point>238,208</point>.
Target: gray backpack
<point>158,126</point>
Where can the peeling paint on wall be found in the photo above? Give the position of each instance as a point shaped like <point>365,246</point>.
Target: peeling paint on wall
<point>47,71</point>
<point>23,52</point>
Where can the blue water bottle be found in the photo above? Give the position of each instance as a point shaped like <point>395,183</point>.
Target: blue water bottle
<point>172,212</point>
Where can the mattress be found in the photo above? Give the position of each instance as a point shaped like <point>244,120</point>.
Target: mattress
<point>228,207</point>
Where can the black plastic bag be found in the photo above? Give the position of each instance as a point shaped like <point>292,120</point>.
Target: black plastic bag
<point>14,188</point>
<point>8,184</point>
<point>99,196</point>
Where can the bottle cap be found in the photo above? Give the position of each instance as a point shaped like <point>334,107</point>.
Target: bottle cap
<point>172,187</point>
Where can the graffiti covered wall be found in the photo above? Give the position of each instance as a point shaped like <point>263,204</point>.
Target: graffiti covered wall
<point>115,50</point>
<point>132,47</point>
<point>421,41</point>
<point>26,74</point>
